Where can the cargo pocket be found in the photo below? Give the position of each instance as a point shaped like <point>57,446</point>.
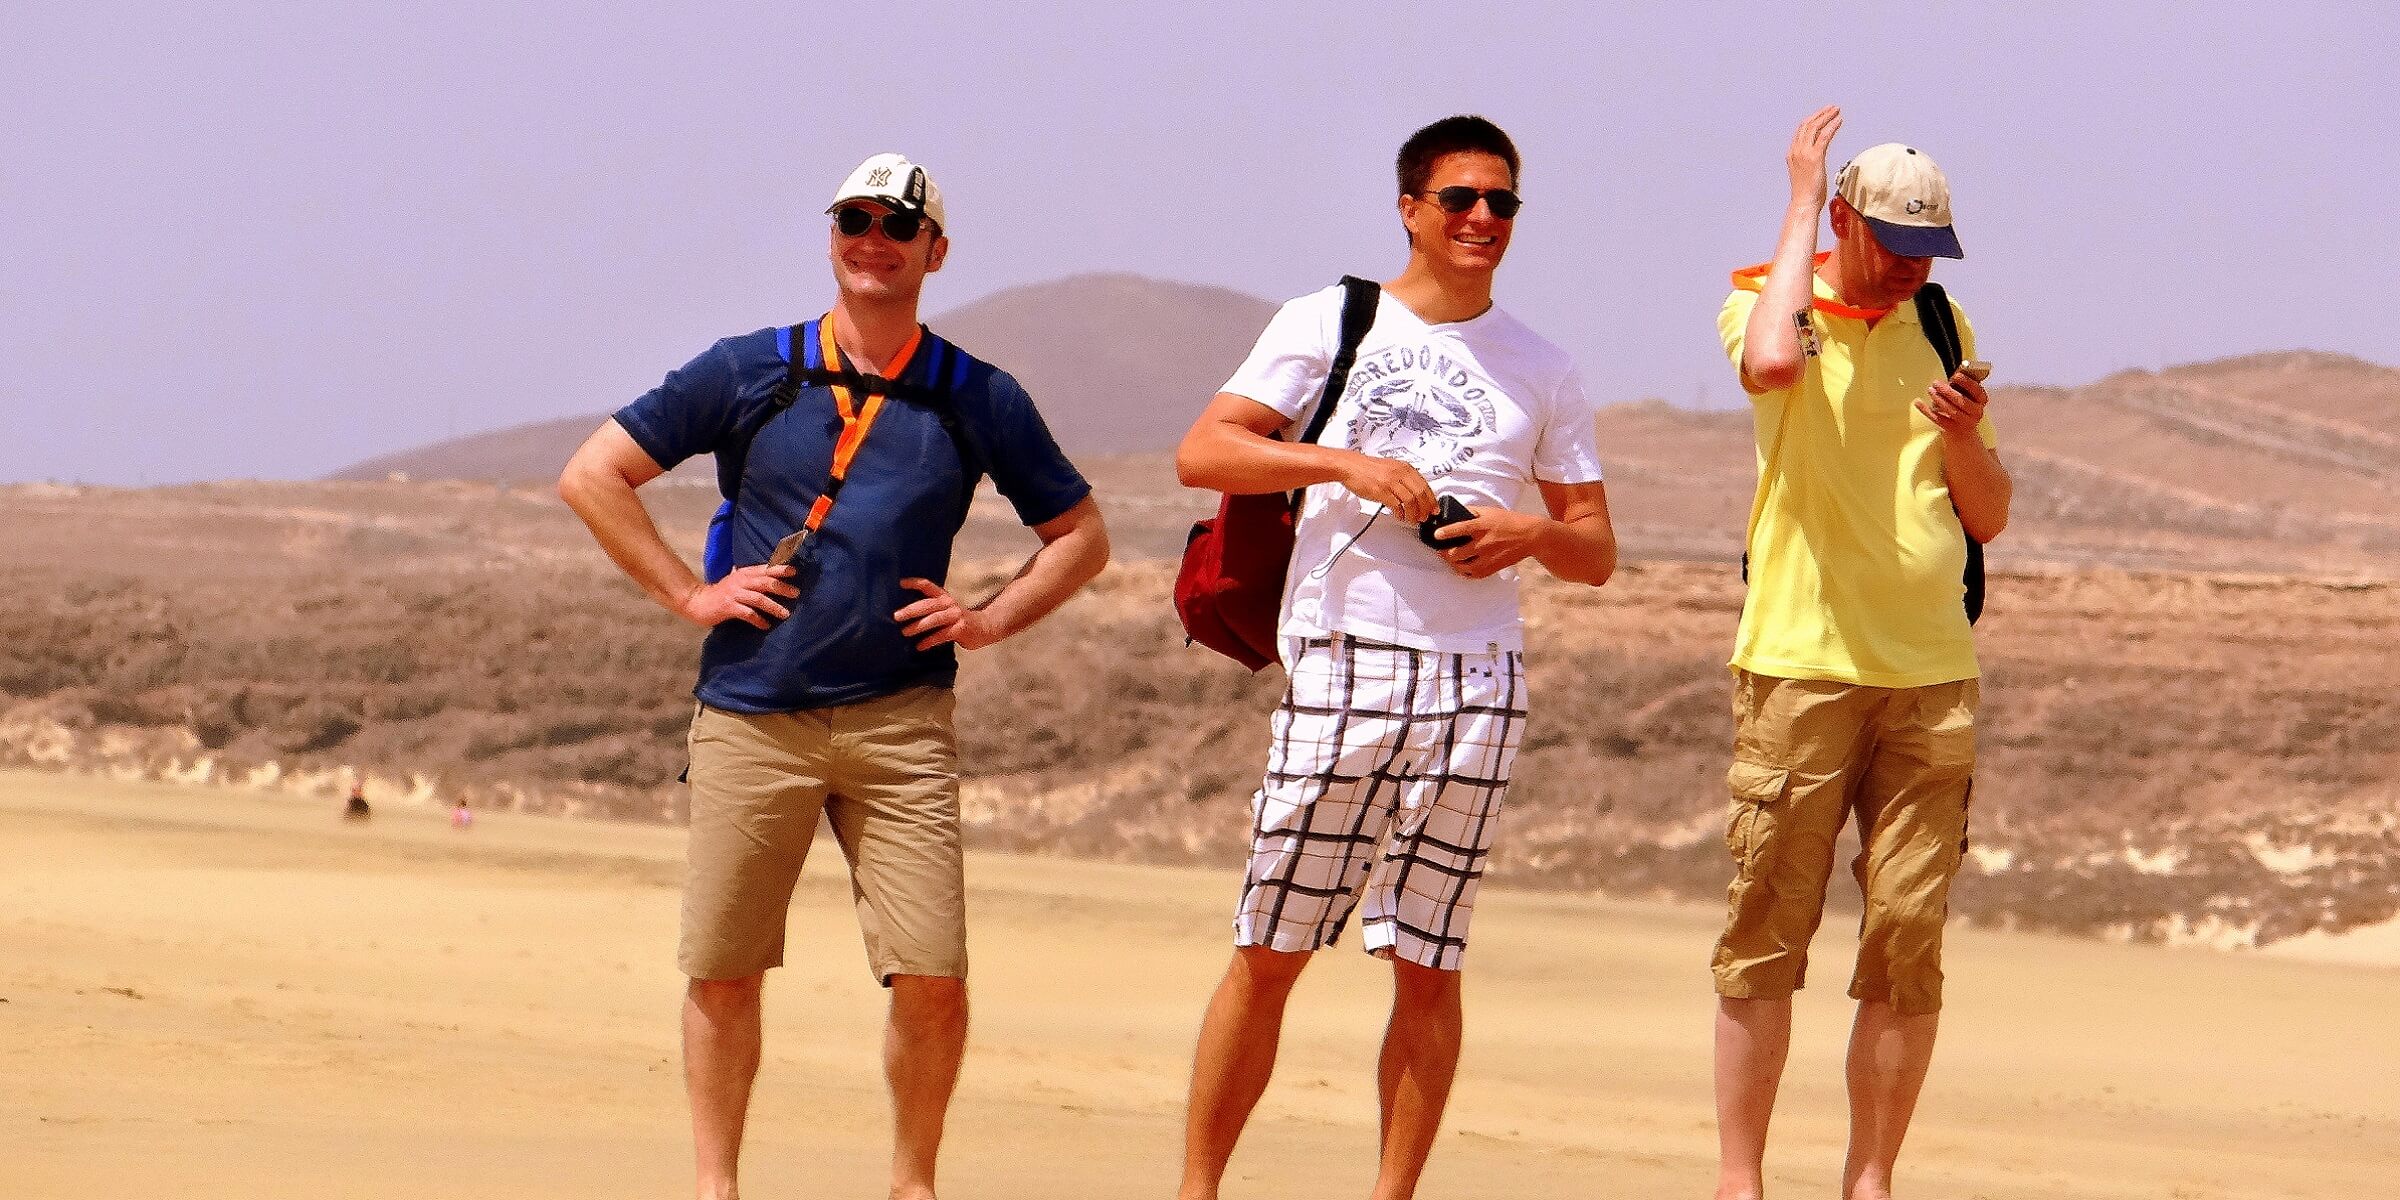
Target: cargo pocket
<point>1758,791</point>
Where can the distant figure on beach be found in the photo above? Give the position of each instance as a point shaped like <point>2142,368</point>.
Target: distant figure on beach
<point>356,808</point>
<point>1854,686</point>
<point>825,680</point>
<point>461,817</point>
<point>1406,697</point>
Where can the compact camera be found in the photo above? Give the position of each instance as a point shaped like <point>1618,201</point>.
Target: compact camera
<point>1450,512</point>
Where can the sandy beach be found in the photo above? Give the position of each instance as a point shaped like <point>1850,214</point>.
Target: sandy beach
<point>215,993</point>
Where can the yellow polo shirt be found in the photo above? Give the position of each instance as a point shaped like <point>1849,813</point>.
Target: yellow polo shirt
<point>1857,560</point>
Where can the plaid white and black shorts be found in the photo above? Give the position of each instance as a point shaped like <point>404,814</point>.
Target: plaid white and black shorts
<point>1383,785</point>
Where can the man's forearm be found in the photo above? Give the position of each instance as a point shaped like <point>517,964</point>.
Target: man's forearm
<point>1054,573</point>
<point>1980,487</point>
<point>1771,352</point>
<point>1228,458</point>
<point>623,527</point>
<point>1583,550</point>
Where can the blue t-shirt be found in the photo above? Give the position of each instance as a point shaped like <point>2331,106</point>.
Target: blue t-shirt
<point>898,510</point>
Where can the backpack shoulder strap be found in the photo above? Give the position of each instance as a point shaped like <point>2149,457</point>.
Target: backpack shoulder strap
<point>1941,326</point>
<point>946,369</point>
<point>733,456</point>
<point>1359,299</point>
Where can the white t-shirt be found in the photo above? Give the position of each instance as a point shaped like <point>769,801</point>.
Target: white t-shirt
<point>1481,407</point>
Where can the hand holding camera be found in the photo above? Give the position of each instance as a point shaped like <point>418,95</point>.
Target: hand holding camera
<point>1450,511</point>
<point>1491,540</point>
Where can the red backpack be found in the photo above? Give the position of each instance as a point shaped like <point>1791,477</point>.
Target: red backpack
<point>1229,590</point>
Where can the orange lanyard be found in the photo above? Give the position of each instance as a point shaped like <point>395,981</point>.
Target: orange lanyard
<point>855,420</point>
<point>1754,279</point>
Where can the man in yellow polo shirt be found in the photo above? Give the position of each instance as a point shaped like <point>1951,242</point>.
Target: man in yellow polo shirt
<point>1854,671</point>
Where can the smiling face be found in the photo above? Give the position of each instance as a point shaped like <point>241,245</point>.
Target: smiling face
<point>1471,242</point>
<point>873,267</point>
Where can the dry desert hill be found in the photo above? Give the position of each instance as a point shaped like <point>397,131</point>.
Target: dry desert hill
<point>2189,647</point>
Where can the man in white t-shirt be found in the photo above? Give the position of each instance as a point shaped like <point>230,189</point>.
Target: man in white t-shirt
<point>1406,698</point>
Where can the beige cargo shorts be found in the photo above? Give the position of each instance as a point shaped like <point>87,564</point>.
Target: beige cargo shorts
<point>884,774</point>
<point>1809,755</point>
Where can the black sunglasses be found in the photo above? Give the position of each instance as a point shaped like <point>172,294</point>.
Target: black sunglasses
<point>1504,202</point>
<point>854,220</point>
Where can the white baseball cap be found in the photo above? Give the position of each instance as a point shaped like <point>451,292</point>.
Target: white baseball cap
<point>1904,198</point>
<point>895,183</point>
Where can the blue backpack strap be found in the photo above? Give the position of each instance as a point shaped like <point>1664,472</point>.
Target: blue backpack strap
<point>946,368</point>
<point>716,553</point>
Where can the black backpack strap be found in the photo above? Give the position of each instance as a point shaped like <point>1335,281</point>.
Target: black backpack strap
<point>948,369</point>
<point>733,456</point>
<point>859,384</point>
<point>1941,328</point>
<point>798,374</point>
<point>1359,299</point>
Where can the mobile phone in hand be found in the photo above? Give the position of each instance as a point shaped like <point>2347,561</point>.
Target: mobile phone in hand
<point>1976,369</point>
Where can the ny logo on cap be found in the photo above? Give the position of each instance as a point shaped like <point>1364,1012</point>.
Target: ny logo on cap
<point>879,177</point>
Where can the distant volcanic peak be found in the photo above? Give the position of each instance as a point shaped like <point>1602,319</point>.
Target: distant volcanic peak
<point>1105,286</point>
<point>2285,361</point>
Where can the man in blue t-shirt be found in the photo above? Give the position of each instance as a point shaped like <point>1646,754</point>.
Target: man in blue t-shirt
<point>825,678</point>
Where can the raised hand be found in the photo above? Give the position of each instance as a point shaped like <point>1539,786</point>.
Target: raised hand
<point>1806,160</point>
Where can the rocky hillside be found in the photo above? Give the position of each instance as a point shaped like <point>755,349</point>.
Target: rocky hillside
<point>2166,755</point>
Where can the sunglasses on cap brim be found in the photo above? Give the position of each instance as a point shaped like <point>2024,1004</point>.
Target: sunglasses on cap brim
<point>854,220</point>
<point>1455,200</point>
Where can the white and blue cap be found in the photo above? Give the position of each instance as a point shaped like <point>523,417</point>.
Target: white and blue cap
<point>1904,198</point>
<point>895,183</point>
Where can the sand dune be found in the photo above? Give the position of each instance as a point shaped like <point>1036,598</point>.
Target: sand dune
<point>208,993</point>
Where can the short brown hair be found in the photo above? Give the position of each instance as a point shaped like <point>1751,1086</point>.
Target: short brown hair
<point>1450,135</point>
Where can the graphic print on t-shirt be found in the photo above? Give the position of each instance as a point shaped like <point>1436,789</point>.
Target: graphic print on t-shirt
<point>1420,406</point>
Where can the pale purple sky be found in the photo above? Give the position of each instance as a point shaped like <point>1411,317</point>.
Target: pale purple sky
<point>267,240</point>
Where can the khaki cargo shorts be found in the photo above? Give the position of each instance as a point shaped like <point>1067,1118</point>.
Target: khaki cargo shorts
<point>1808,754</point>
<point>884,773</point>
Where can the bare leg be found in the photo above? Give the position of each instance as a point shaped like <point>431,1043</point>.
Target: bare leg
<point>1753,1038</point>
<point>720,1059</point>
<point>922,1048</point>
<point>1420,1058</point>
<point>1236,1056</point>
<point>1889,1055</point>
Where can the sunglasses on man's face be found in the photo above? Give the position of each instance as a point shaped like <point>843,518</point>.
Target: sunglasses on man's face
<point>1454,200</point>
<point>856,219</point>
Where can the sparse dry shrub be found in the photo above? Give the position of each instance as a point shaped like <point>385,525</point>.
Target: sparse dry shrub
<point>413,702</point>
<point>315,726</point>
<point>576,725</point>
<point>494,736</point>
<point>496,649</point>
<point>623,762</point>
